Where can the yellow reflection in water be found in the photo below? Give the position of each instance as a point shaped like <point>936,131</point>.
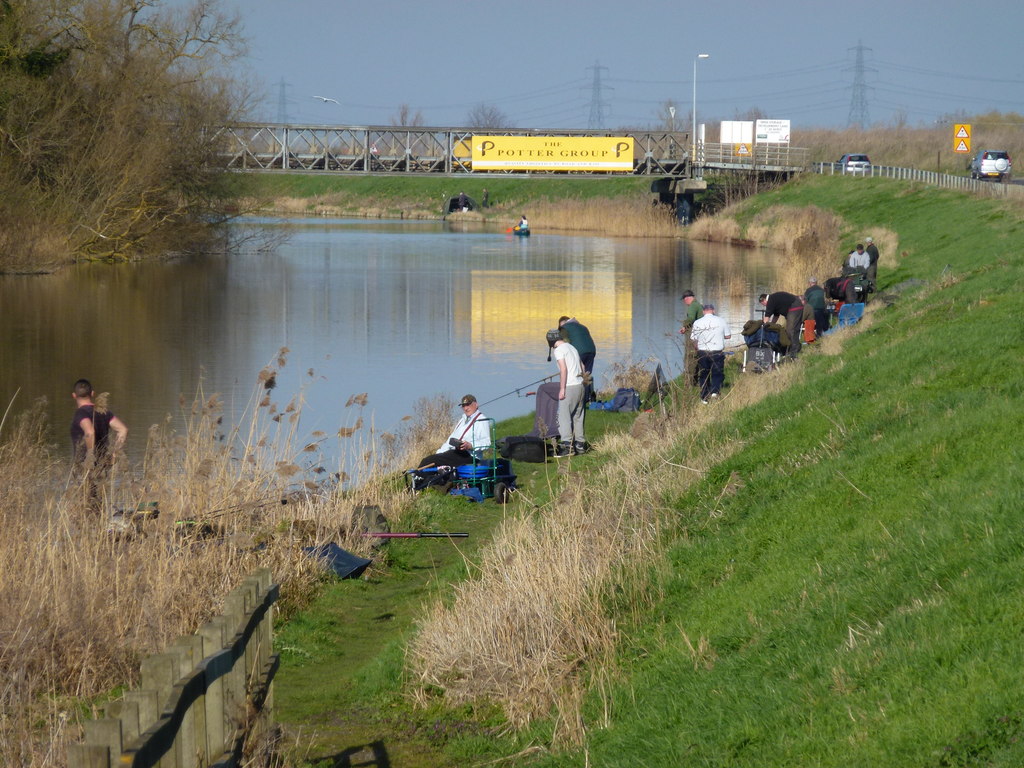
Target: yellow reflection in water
<point>511,311</point>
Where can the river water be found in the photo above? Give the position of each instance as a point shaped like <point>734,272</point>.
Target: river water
<point>395,309</point>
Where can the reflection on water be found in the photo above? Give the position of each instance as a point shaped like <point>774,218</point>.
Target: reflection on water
<point>399,310</point>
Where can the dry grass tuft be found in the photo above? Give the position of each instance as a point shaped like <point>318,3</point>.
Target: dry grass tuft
<point>721,228</point>
<point>617,218</point>
<point>808,237</point>
<point>632,374</point>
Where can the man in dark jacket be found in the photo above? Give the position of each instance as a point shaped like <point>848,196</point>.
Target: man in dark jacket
<point>782,304</point>
<point>577,334</point>
<point>872,251</point>
<point>814,296</point>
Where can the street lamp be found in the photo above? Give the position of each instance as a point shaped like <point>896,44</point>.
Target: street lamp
<point>693,139</point>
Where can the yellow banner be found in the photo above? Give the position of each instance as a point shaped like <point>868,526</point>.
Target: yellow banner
<point>552,153</point>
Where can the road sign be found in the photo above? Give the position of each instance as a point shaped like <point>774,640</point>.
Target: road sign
<point>962,138</point>
<point>742,150</point>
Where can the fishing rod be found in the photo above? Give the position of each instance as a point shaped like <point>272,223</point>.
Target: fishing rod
<point>518,390</point>
<point>417,535</point>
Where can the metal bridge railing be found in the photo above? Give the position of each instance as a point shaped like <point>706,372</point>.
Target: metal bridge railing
<point>373,150</point>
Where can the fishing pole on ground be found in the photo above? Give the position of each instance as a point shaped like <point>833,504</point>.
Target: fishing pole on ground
<point>382,535</point>
<point>518,390</point>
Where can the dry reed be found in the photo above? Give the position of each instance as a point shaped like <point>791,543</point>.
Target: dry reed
<point>83,599</point>
<point>617,217</point>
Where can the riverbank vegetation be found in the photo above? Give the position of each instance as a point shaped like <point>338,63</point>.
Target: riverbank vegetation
<point>91,586</point>
<point>822,568</point>
<point>108,111</point>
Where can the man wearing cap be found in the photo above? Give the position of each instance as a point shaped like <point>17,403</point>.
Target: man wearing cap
<point>814,297</point>
<point>692,311</point>
<point>468,440</point>
<point>708,335</point>
<point>872,251</point>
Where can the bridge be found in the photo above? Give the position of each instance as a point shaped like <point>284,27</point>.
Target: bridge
<point>448,151</point>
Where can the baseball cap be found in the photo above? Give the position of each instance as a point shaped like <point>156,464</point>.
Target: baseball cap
<point>708,305</point>
<point>467,400</point>
<point>686,293</point>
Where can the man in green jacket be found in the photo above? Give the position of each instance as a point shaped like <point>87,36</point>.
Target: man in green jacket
<point>577,334</point>
<point>693,311</point>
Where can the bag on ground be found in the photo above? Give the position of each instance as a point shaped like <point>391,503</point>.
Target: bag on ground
<point>523,448</point>
<point>625,399</point>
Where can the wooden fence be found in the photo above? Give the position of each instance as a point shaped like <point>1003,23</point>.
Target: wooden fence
<point>198,700</point>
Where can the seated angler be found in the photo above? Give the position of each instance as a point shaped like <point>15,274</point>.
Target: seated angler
<point>467,441</point>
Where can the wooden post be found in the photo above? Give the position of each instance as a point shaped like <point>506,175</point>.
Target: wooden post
<point>212,635</point>
<point>148,709</point>
<point>234,682</point>
<point>88,756</point>
<point>127,711</point>
<point>252,594</point>
<point>267,642</point>
<point>160,673</point>
<point>105,733</point>
<point>189,650</point>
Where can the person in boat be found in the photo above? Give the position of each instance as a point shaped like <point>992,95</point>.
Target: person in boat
<point>523,224</point>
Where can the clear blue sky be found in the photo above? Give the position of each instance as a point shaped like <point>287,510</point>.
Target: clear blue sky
<point>536,61</point>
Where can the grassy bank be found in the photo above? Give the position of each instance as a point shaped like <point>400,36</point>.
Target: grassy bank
<point>824,568</point>
<point>841,585</point>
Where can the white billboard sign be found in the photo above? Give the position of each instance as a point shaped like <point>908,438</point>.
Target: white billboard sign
<point>773,131</point>
<point>737,132</point>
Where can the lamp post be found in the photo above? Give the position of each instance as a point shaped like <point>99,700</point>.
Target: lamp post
<point>693,140</point>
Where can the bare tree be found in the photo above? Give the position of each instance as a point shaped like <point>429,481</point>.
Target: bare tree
<point>487,116</point>
<point>406,118</point>
<point>106,136</point>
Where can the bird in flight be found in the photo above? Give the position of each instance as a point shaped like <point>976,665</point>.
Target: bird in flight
<point>325,99</point>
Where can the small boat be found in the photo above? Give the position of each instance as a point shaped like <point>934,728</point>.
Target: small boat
<point>521,232</point>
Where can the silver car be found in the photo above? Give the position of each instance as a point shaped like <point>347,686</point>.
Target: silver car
<point>991,164</point>
<point>855,164</point>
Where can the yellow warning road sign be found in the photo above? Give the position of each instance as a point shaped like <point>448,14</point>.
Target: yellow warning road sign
<point>742,149</point>
<point>963,146</point>
<point>962,131</point>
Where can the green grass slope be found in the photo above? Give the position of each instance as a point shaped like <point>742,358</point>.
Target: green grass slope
<point>846,588</point>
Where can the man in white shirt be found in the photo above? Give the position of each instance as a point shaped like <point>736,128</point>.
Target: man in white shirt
<point>571,408</point>
<point>708,334</point>
<point>467,441</point>
<point>858,260</point>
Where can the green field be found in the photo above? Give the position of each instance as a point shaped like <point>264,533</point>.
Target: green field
<point>844,586</point>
